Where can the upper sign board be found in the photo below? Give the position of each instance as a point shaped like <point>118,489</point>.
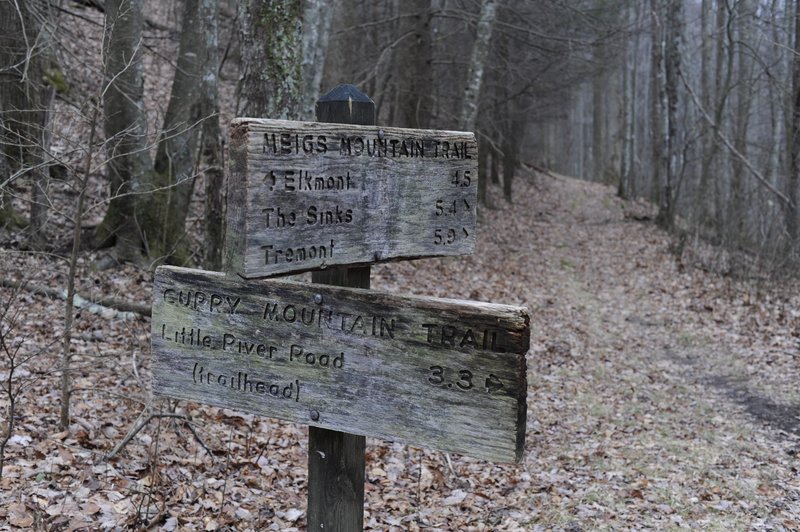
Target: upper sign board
<point>307,195</point>
<point>445,374</point>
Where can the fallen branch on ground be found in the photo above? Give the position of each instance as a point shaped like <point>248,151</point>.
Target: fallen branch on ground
<point>539,169</point>
<point>124,309</point>
<point>135,430</point>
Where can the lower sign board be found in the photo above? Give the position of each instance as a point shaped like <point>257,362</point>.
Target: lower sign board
<point>307,195</point>
<point>444,374</point>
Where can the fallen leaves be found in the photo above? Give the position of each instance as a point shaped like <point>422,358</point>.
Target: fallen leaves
<point>19,516</point>
<point>639,377</point>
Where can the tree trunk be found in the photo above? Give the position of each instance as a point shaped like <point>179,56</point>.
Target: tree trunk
<point>671,153</point>
<point>622,184</point>
<point>628,178</point>
<point>793,183</point>
<point>656,99</point>
<point>483,155</point>
<point>271,85</point>
<point>494,165</point>
<point>469,109</point>
<point>163,216</point>
<point>150,201</point>
<point>672,64</point>
<point>701,203</point>
<point>211,144</point>
<point>317,15</point>
<point>599,88</point>
<point>129,162</point>
<point>28,79</point>
<point>513,139</point>
<point>736,225</point>
<point>723,72</point>
<point>414,69</point>
<point>777,100</point>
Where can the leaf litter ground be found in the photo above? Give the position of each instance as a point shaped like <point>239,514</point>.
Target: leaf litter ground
<point>660,397</point>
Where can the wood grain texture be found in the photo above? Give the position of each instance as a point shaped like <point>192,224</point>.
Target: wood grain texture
<point>444,374</point>
<point>308,195</point>
<point>337,460</point>
<point>336,475</point>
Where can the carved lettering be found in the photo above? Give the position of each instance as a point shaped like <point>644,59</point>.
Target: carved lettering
<point>463,379</point>
<point>334,356</point>
<point>277,218</point>
<point>333,216</point>
<point>245,383</point>
<point>193,337</point>
<point>273,255</point>
<point>324,360</point>
<point>313,183</point>
<point>305,181</point>
<point>358,324</point>
<point>245,347</point>
<point>201,301</point>
<point>453,337</point>
<point>290,143</point>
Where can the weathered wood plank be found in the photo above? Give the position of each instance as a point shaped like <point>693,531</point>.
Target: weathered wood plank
<point>308,195</point>
<point>445,374</point>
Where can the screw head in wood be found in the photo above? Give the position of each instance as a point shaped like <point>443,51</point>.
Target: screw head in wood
<point>314,415</point>
<point>318,299</point>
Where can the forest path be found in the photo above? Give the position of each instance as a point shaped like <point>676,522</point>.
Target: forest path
<point>658,394</point>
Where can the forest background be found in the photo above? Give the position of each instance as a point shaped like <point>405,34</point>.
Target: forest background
<point>691,105</point>
<point>113,117</point>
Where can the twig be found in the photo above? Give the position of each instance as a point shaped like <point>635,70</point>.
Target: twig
<point>227,464</point>
<point>543,171</point>
<point>154,521</point>
<point>199,439</point>
<point>728,144</point>
<point>450,464</point>
<point>136,371</point>
<point>419,488</point>
<point>125,441</point>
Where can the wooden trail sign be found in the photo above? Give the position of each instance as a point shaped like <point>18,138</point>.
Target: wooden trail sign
<point>306,195</point>
<point>444,374</point>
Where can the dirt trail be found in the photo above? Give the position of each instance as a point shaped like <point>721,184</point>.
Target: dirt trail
<point>657,398</point>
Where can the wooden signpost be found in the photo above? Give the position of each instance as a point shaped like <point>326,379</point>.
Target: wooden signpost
<point>444,374</point>
<point>349,362</point>
<point>307,195</point>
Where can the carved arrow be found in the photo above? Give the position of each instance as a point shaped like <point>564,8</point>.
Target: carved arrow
<point>493,384</point>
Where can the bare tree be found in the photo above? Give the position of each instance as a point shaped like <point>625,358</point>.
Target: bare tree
<point>626,188</point>
<point>28,79</point>
<point>480,50</point>
<point>793,183</point>
<point>150,199</point>
<point>414,66</point>
<point>17,362</point>
<point>130,164</point>
<point>69,306</point>
<point>193,87</point>
<point>317,16</point>
<point>211,145</point>
<point>669,150</point>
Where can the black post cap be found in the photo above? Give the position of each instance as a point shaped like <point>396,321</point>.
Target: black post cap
<point>345,92</point>
<point>346,105</point>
